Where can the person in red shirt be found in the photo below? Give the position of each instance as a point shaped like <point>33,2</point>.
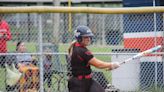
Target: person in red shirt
<point>81,60</point>
<point>5,35</point>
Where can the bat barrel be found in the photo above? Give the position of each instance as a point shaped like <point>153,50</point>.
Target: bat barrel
<point>142,54</point>
<point>156,48</point>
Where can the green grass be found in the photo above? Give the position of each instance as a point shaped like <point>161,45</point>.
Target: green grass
<point>64,48</point>
<point>2,79</point>
<point>31,47</point>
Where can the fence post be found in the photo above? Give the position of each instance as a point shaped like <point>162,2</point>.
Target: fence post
<point>41,53</point>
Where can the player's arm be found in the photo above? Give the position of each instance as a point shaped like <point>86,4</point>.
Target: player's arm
<point>103,65</point>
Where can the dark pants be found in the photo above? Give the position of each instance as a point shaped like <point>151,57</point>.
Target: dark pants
<point>49,79</point>
<point>84,85</point>
<point>2,61</point>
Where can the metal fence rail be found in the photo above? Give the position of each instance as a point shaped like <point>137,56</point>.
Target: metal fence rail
<point>116,38</point>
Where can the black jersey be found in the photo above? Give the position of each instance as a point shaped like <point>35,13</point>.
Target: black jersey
<point>79,60</point>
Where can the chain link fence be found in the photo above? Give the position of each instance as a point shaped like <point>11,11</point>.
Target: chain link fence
<point>116,38</point>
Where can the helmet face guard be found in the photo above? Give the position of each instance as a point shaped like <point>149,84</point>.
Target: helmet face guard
<point>82,31</point>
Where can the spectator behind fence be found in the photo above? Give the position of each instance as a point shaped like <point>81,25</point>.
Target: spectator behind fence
<point>5,35</point>
<point>24,58</point>
<point>48,68</point>
<point>29,70</point>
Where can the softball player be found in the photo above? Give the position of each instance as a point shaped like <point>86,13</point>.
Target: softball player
<point>81,61</point>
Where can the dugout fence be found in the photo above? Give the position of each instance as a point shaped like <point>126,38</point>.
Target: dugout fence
<point>44,27</point>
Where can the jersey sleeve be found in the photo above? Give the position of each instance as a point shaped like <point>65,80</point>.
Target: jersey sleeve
<point>87,55</point>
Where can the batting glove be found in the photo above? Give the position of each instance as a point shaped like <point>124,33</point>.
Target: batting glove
<point>114,65</point>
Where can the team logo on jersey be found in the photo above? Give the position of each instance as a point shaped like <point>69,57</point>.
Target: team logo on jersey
<point>81,59</point>
<point>88,53</point>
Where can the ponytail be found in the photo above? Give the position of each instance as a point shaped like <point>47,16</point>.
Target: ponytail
<point>71,47</point>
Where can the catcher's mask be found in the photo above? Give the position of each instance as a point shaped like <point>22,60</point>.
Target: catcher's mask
<point>82,31</point>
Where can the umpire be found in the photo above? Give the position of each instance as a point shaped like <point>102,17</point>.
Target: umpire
<point>81,60</point>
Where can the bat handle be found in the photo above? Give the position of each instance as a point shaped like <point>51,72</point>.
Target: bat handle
<point>122,63</point>
<point>127,60</point>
